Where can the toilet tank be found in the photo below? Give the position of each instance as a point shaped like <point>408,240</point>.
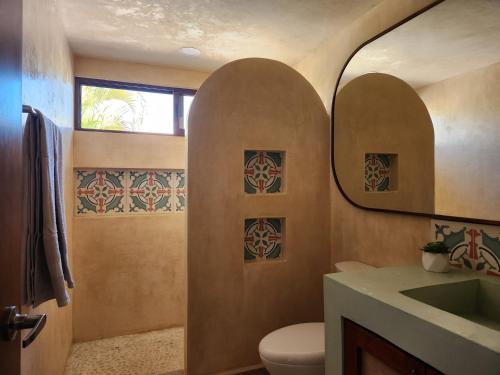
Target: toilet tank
<point>352,266</point>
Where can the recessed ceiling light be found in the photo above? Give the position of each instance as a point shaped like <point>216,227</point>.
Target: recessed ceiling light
<point>191,51</point>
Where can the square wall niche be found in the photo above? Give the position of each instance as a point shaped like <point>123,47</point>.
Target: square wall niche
<point>263,239</point>
<point>381,172</point>
<point>264,172</point>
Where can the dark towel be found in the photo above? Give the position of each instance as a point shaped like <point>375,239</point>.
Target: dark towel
<point>47,269</point>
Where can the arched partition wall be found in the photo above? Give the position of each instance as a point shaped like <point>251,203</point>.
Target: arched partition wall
<point>258,211</point>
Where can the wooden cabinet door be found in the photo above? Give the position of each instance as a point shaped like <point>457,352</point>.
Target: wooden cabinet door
<point>366,353</point>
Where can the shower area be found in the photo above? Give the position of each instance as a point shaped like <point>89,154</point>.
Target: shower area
<point>129,222</point>
<point>249,224</point>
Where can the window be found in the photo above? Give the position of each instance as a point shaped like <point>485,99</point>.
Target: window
<point>187,100</point>
<point>128,107</point>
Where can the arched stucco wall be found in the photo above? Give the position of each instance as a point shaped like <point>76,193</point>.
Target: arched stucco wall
<point>380,113</point>
<point>253,104</point>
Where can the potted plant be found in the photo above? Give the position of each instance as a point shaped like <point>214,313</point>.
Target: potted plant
<point>435,257</point>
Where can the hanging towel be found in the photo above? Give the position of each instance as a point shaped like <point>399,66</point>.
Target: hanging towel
<point>47,268</point>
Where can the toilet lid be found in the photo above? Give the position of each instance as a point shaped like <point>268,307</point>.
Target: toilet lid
<point>300,344</point>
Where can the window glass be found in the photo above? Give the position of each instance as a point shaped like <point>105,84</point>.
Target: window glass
<point>104,108</point>
<point>187,101</point>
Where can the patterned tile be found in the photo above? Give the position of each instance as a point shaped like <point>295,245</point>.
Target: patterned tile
<point>100,192</point>
<point>263,239</point>
<point>150,191</point>
<point>109,192</point>
<point>377,172</point>
<point>263,171</point>
<point>179,190</point>
<point>473,247</point>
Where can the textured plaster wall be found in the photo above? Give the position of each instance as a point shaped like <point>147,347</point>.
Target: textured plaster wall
<point>466,118</point>
<point>48,86</point>
<point>131,270</point>
<point>120,150</point>
<point>379,113</point>
<point>375,238</point>
<point>253,104</point>
<point>138,73</point>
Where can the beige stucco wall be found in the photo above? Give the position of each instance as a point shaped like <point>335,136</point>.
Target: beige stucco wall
<point>131,269</point>
<point>253,104</point>
<point>121,150</point>
<point>466,118</point>
<point>138,73</point>
<point>131,274</point>
<point>379,113</point>
<point>375,238</point>
<point>48,86</point>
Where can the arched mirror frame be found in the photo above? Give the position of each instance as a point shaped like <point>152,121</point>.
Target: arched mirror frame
<point>344,194</point>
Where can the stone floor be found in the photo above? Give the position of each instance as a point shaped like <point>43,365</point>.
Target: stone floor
<point>151,353</point>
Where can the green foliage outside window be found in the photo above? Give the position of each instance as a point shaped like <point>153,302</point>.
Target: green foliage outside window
<point>111,109</point>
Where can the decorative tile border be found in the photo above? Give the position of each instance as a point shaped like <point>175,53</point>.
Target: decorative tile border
<point>263,239</point>
<point>263,172</point>
<point>179,189</point>
<point>474,247</point>
<point>378,172</point>
<point>117,192</point>
<point>100,192</point>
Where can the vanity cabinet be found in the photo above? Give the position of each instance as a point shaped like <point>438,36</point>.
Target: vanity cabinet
<point>366,353</point>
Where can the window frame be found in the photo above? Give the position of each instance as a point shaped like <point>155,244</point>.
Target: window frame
<point>177,93</point>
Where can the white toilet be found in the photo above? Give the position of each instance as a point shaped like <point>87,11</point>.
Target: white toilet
<point>299,349</point>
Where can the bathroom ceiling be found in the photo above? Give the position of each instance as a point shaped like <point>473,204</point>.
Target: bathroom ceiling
<point>451,39</point>
<point>153,31</point>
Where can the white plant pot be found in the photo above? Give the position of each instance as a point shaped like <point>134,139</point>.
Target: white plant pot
<point>435,262</point>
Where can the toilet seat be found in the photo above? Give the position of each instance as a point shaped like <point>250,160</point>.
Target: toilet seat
<point>296,345</point>
<point>300,349</point>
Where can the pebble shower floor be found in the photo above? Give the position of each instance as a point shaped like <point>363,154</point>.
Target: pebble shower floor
<point>151,353</point>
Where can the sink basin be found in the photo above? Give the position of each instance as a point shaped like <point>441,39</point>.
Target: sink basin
<point>477,300</point>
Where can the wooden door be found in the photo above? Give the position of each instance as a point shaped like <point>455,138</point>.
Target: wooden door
<point>11,191</point>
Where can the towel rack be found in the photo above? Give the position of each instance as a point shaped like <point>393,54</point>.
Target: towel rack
<point>29,109</point>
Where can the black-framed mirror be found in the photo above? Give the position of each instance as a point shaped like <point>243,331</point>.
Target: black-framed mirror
<point>416,116</point>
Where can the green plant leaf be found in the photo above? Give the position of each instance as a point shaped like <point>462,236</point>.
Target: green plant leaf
<point>437,247</point>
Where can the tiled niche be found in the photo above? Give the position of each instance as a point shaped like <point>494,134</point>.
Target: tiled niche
<point>474,247</point>
<point>100,192</point>
<point>264,172</point>
<point>264,239</point>
<point>381,172</point>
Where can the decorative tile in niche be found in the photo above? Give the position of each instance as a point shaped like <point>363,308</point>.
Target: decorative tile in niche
<point>380,172</point>
<point>263,172</point>
<point>472,246</point>
<point>263,239</point>
<point>150,191</point>
<point>100,192</point>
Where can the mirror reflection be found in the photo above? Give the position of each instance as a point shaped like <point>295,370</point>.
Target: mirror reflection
<point>417,115</point>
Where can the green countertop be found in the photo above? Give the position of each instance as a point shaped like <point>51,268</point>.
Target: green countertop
<point>373,299</point>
